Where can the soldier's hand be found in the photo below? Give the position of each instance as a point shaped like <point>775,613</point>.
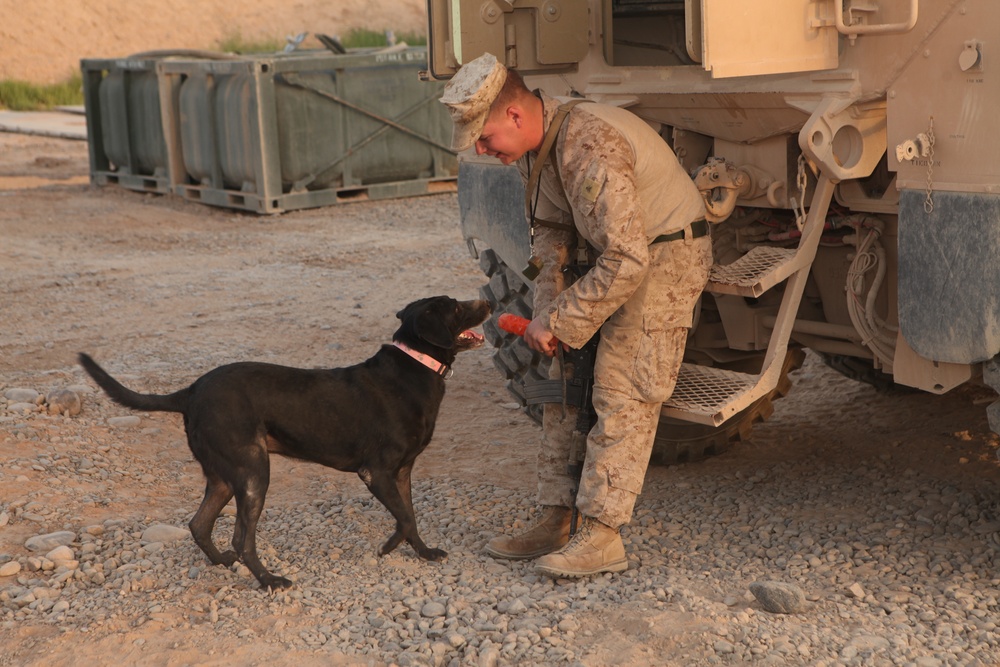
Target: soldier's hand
<point>540,339</point>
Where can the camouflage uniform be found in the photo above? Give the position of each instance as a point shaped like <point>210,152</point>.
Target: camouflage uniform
<point>621,187</point>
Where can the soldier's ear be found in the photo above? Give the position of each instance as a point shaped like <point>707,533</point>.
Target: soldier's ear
<point>515,114</point>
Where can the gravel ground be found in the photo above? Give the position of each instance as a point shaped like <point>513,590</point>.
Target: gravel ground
<point>898,567</point>
<point>879,512</point>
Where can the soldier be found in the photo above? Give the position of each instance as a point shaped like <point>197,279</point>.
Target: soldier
<point>608,177</point>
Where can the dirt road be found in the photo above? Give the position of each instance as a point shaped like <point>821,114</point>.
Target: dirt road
<point>896,493</point>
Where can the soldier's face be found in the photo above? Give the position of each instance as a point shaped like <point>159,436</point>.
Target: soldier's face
<point>502,138</point>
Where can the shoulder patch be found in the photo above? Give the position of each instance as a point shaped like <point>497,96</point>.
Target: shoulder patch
<point>590,190</point>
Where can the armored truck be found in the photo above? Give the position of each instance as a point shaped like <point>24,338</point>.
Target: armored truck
<point>847,154</point>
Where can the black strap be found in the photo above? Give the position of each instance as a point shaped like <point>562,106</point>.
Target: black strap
<point>699,228</point>
<point>553,224</point>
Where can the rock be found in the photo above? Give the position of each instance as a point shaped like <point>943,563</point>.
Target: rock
<point>432,610</point>
<point>568,625</point>
<point>517,607</point>
<point>778,597</point>
<point>24,599</point>
<point>163,533</point>
<point>61,552</point>
<point>22,407</point>
<point>489,657</point>
<point>49,542</point>
<point>123,422</point>
<point>723,647</point>
<point>856,591</point>
<point>869,643</point>
<point>16,395</point>
<point>4,519</point>
<point>9,569</point>
<point>64,402</point>
<point>154,547</point>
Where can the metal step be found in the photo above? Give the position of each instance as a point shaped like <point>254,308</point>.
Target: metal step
<point>707,395</point>
<point>755,272</point>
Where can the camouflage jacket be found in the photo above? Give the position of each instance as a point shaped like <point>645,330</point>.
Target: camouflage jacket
<point>620,186</point>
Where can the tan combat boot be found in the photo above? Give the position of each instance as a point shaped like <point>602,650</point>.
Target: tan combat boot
<point>548,534</point>
<point>594,548</point>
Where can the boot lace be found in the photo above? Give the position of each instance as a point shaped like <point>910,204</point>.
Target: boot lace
<point>580,538</point>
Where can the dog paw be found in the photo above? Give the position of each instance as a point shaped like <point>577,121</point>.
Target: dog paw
<point>228,558</point>
<point>433,554</point>
<point>275,583</point>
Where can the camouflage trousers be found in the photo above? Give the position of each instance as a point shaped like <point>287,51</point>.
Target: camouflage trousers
<point>638,358</point>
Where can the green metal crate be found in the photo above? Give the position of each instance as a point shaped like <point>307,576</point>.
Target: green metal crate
<point>285,131</point>
<point>124,128</point>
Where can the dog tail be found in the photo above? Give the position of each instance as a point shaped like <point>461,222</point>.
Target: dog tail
<point>119,393</point>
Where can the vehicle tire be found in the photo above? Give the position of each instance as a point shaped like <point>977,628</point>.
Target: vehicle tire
<point>682,442</point>
<point>861,370</point>
<point>676,441</point>
<point>517,362</point>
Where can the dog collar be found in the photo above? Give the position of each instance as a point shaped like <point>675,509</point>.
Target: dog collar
<point>427,360</point>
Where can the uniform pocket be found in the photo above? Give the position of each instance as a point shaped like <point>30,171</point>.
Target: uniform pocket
<point>658,359</point>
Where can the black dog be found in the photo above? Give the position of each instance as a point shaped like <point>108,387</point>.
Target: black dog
<point>373,418</point>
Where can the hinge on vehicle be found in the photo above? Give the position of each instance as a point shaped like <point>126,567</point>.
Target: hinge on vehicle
<point>824,16</point>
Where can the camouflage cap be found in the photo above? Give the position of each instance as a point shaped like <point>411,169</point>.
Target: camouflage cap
<point>469,95</point>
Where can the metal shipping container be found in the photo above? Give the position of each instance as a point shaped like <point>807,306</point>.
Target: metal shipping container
<point>276,132</point>
<point>124,127</point>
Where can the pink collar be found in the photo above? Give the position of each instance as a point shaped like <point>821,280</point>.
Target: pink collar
<point>431,363</point>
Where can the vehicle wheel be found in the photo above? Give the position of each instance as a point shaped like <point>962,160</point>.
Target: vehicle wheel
<point>517,362</point>
<point>682,442</point>
<point>676,441</point>
<point>861,370</point>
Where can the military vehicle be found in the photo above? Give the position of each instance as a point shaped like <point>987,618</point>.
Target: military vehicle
<point>843,148</point>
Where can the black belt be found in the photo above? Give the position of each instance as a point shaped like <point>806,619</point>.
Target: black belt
<point>699,228</point>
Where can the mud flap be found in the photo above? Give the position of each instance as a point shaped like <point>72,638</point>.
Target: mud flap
<point>949,307</point>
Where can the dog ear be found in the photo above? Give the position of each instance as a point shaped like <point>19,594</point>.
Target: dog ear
<point>430,328</point>
<point>401,315</point>
<point>411,307</point>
